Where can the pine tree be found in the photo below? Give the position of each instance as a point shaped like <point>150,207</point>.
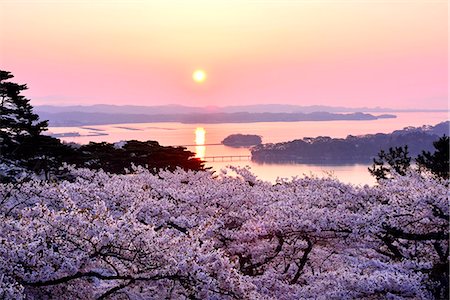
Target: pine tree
<point>396,158</point>
<point>438,162</point>
<point>17,120</point>
<point>22,147</point>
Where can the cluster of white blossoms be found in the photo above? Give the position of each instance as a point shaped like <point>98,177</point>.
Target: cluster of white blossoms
<point>197,235</point>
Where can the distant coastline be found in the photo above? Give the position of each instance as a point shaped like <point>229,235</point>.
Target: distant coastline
<point>66,119</point>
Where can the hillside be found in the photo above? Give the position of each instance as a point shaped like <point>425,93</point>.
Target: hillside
<point>352,149</point>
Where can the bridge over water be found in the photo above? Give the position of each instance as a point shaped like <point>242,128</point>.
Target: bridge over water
<point>216,144</point>
<point>227,158</point>
<point>212,158</point>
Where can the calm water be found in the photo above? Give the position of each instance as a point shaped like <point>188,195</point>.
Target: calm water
<point>189,135</point>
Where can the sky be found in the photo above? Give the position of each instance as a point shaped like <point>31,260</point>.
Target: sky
<point>387,53</point>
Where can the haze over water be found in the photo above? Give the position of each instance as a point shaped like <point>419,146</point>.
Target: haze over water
<point>173,134</point>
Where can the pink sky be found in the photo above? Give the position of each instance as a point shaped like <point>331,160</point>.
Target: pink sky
<point>336,52</point>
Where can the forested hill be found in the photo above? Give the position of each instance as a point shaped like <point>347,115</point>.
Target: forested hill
<point>352,149</point>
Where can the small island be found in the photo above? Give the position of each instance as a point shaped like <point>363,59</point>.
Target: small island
<point>77,134</point>
<point>242,140</point>
<point>65,134</point>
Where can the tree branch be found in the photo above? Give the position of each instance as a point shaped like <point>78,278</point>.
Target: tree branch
<point>79,275</point>
<point>397,233</point>
<point>114,289</point>
<point>303,261</point>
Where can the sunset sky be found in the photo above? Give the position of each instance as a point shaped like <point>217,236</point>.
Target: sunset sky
<point>349,53</point>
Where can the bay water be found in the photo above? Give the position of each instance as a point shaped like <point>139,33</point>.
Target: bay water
<point>205,141</point>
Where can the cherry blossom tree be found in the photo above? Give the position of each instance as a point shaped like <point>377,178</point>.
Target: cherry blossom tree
<point>198,235</point>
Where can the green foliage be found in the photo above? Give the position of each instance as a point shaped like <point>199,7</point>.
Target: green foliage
<point>17,120</point>
<point>148,154</point>
<point>438,162</point>
<point>20,132</point>
<point>24,147</point>
<point>44,154</point>
<point>396,159</point>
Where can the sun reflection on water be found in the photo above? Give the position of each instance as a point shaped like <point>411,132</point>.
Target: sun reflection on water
<point>200,137</point>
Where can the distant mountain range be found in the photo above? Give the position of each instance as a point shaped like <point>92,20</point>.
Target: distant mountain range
<point>180,109</point>
<point>113,114</point>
